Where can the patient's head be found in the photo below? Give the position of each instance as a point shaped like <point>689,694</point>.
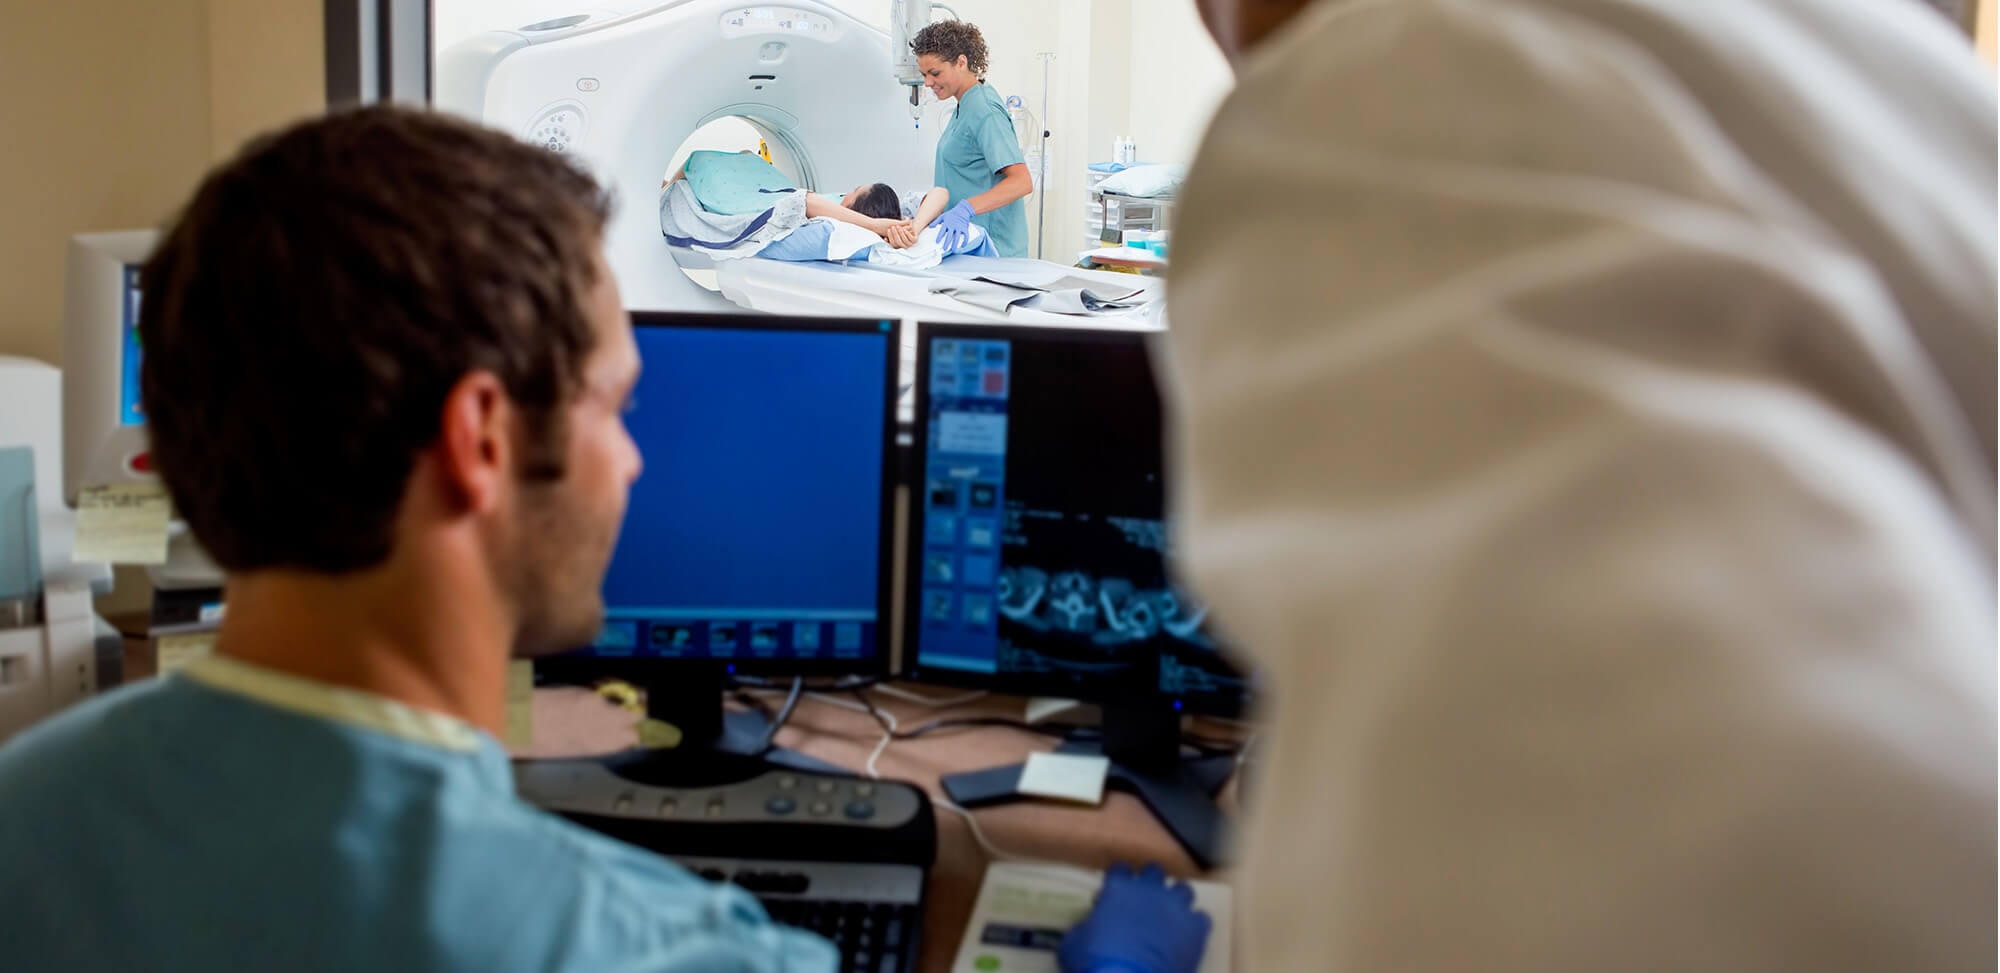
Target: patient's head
<point>879,201</point>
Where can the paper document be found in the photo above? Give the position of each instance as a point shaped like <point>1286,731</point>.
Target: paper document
<point>1065,777</point>
<point>1023,911</point>
<point>122,523</point>
<point>1095,290</point>
<point>1001,297</point>
<point>176,651</point>
<point>520,709</point>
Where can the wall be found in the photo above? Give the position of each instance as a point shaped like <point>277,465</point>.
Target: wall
<point>111,127</point>
<point>267,67</point>
<point>1178,78</point>
<point>1108,97</point>
<point>1984,30</point>
<point>107,127</point>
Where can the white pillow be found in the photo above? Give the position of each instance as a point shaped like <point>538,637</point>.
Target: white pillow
<point>1156,179</point>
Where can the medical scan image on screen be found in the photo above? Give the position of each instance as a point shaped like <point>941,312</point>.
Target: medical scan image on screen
<point>1046,550</point>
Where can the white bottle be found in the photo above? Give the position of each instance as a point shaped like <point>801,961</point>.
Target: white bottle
<point>1131,152</point>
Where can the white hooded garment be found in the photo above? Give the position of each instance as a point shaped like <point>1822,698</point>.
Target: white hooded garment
<point>1584,417</point>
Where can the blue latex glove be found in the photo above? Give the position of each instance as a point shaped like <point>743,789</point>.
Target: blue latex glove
<point>1140,924</point>
<point>955,226</point>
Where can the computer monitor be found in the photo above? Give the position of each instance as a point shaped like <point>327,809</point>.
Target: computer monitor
<point>758,541</point>
<point>104,434</point>
<point>1040,553</point>
<point>103,419</point>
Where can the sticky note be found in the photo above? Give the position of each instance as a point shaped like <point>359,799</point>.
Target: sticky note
<point>658,735</point>
<point>520,728</point>
<point>1065,777</point>
<point>176,651</point>
<point>122,523</point>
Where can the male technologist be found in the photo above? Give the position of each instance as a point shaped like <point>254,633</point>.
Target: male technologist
<point>385,366</point>
<point>1584,416</point>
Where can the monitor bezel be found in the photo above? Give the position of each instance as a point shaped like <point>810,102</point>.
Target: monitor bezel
<point>1214,704</point>
<point>876,660</point>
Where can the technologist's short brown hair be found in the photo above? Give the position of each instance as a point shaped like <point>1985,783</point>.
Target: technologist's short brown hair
<point>305,317</point>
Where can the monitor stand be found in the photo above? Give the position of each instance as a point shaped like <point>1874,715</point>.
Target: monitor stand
<point>718,746</point>
<point>1142,736</point>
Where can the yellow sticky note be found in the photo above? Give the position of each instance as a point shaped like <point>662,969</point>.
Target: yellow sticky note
<point>520,703</point>
<point>175,651</point>
<point>122,523</point>
<point>657,735</point>
<point>1065,777</point>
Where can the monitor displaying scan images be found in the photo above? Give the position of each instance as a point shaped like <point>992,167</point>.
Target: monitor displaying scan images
<point>1040,553</point>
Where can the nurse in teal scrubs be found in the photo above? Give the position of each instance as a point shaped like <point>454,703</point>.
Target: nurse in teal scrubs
<point>978,160</point>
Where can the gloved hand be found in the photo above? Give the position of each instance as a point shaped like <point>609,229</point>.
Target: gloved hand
<point>955,226</point>
<point>1139,925</point>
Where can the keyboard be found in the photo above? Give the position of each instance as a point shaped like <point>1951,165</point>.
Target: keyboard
<point>770,830</point>
<point>872,913</point>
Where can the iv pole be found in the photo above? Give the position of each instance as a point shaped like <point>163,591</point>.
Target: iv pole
<point>1042,197</point>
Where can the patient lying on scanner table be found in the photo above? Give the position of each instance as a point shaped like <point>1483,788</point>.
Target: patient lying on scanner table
<point>729,205</point>
<point>901,220</point>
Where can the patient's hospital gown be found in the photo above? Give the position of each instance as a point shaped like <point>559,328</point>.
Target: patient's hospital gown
<point>1586,420</point>
<point>235,818</point>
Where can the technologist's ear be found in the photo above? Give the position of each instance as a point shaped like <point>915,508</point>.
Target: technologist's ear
<point>474,448</point>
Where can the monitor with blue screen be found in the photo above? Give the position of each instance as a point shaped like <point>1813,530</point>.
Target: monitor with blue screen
<point>757,541</point>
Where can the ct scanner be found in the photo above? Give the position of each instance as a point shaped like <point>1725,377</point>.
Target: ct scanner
<point>620,89</point>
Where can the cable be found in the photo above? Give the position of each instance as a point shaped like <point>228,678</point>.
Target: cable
<point>888,724</point>
<point>931,701</point>
<point>784,713</point>
<point>836,686</point>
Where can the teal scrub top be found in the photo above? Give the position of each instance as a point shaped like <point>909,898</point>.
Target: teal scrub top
<point>231,817</point>
<point>977,143</point>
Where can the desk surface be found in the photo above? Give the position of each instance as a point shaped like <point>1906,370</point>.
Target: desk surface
<point>572,722</point>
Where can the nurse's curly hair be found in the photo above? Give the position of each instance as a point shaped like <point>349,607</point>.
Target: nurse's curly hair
<point>947,40</point>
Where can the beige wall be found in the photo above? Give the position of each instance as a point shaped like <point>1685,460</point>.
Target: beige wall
<point>1984,30</point>
<point>107,124</point>
<point>117,108</point>
<point>267,66</point>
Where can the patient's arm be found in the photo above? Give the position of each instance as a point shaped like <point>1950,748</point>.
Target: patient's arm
<point>906,232</point>
<point>934,204</point>
<point>817,206</point>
